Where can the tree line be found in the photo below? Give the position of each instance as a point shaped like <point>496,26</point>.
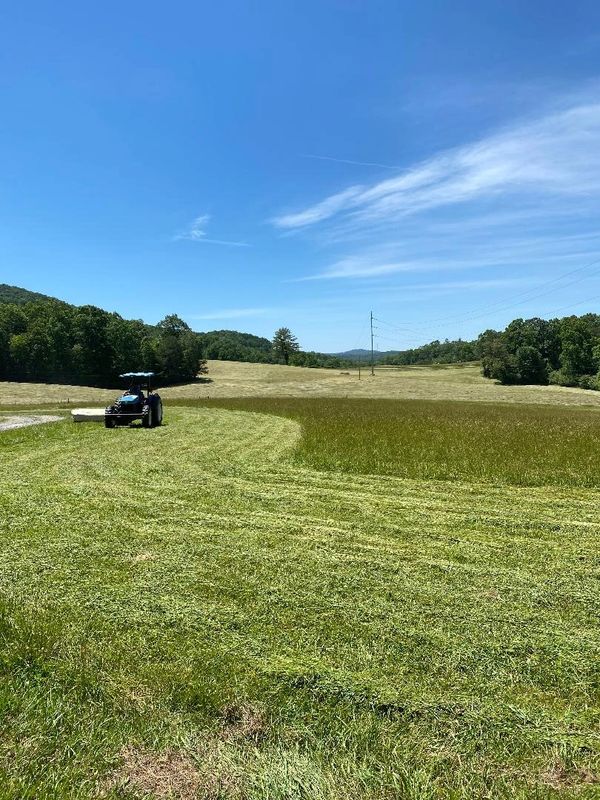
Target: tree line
<point>436,352</point>
<point>54,342</point>
<point>282,349</point>
<point>49,341</point>
<point>563,351</point>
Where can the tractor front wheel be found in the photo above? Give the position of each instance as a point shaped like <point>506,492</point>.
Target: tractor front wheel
<point>147,418</point>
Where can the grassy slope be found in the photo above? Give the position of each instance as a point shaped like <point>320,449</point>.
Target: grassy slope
<point>294,633</point>
<point>234,379</point>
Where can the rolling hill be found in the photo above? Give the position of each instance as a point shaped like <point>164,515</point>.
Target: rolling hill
<point>19,296</point>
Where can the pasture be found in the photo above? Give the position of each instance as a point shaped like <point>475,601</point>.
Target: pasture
<point>238,379</point>
<point>320,599</point>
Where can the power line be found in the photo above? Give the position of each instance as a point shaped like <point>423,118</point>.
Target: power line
<point>419,342</point>
<point>527,296</point>
<point>398,341</point>
<point>530,294</point>
<point>571,305</point>
<point>505,304</point>
<point>400,328</point>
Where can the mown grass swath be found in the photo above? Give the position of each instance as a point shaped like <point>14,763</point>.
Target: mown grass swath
<point>197,595</point>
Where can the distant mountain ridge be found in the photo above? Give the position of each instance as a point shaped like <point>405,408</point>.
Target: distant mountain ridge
<point>362,353</point>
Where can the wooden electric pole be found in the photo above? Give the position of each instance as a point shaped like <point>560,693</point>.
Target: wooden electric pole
<point>372,354</point>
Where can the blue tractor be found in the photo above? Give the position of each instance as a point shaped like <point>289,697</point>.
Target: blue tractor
<point>134,404</point>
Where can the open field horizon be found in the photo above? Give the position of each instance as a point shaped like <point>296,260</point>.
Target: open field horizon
<point>242,379</point>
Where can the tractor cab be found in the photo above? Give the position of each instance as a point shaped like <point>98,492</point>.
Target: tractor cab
<point>133,395</point>
<point>134,404</point>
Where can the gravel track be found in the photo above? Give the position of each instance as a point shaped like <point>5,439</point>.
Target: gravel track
<point>9,423</point>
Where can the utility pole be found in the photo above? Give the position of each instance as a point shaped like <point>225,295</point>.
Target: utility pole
<point>372,357</point>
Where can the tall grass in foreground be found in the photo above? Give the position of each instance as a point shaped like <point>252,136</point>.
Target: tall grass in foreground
<point>504,444</point>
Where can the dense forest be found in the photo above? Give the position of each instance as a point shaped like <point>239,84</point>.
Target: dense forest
<point>563,351</point>
<point>50,341</point>
<point>47,340</point>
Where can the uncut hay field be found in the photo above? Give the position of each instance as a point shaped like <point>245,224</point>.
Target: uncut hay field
<point>284,593</point>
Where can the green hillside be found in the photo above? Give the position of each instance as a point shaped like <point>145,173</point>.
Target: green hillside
<point>43,339</point>
<point>19,296</point>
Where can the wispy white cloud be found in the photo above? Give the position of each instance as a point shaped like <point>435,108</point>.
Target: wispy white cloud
<point>521,202</point>
<point>456,253</point>
<point>365,266</point>
<point>231,313</point>
<point>557,154</point>
<point>324,210</point>
<point>196,232</point>
<point>484,283</point>
<point>226,242</point>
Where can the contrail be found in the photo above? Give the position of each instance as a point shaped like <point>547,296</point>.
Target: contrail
<point>348,161</point>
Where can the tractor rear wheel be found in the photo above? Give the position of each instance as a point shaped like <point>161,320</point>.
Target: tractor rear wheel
<point>158,413</point>
<point>109,422</point>
<point>147,418</point>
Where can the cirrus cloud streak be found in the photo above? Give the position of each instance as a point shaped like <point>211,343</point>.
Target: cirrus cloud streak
<point>557,154</point>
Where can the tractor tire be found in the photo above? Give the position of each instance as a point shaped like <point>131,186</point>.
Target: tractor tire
<point>109,422</point>
<point>148,418</point>
<point>158,414</point>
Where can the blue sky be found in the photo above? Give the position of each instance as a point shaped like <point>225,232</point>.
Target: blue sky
<point>255,164</point>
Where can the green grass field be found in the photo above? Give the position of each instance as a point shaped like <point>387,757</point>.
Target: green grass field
<point>240,605</point>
